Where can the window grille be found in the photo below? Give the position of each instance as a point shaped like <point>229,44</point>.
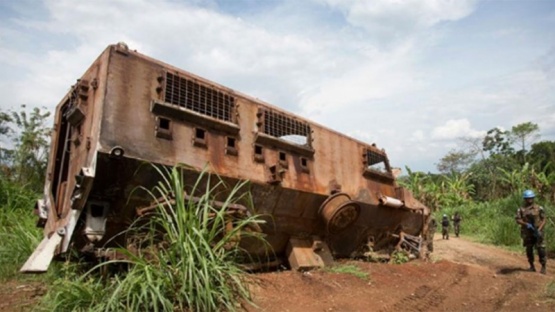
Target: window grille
<point>376,162</point>
<point>286,128</point>
<point>201,99</point>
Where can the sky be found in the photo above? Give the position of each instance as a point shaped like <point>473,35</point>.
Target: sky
<point>412,76</point>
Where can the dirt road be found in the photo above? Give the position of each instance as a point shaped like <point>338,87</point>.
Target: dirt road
<point>462,276</point>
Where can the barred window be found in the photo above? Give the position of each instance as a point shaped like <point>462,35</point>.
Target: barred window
<point>199,98</point>
<point>286,128</point>
<point>376,162</point>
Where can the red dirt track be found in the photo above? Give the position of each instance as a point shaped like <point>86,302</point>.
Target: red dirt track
<point>461,276</point>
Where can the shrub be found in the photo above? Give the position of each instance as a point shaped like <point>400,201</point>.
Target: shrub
<point>399,257</point>
<point>188,260</point>
<point>18,233</point>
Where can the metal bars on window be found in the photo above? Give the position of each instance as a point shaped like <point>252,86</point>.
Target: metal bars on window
<point>376,162</point>
<point>286,128</point>
<point>201,99</point>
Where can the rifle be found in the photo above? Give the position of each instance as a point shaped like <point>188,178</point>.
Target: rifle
<point>534,229</point>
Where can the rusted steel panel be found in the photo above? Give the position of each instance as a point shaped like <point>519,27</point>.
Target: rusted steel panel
<point>128,108</point>
<point>306,254</point>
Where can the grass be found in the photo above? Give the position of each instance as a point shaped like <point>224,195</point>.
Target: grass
<point>399,257</point>
<point>494,222</point>
<point>550,290</point>
<point>18,233</point>
<point>188,260</point>
<point>349,269</point>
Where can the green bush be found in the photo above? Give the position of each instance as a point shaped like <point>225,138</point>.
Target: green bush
<point>188,260</point>
<point>494,222</point>
<point>399,257</point>
<point>18,232</point>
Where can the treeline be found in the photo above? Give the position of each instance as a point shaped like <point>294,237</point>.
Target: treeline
<point>209,278</point>
<point>24,146</point>
<point>501,164</point>
<point>24,141</point>
<point>484,180</point>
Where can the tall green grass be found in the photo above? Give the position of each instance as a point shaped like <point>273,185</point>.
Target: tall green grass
<point>18,233</point>
<point>188,260</point>
<point>349,269</point>
<point>494,222</point>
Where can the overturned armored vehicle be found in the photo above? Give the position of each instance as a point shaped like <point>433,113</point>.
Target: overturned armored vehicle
<point>323,193</point>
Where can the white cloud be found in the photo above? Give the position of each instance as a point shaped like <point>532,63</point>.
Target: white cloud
<point>363,136</point>
<point>376,77</point>
<point>396,19</point>
<point>456,128</point>
<point>214,45</point>
<point>417,136</point>
<point>366,68</point>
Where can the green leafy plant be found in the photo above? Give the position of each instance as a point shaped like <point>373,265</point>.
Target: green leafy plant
<point>349,269</point>
<point>18,233</point>
<point>25,163</point>
<point>188,260</point>
<point>399,257</point>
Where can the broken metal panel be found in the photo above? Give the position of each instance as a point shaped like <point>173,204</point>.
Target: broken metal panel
<point>40,259</point>
<point>304,254</point>
<point>128,108</point>
<point>73,148</point>
<point>95,220</point>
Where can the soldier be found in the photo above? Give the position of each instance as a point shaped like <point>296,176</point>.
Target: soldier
<point>531,218</point>
<point>457,223</point>
<point>432,227</point>
<point>445,227</point>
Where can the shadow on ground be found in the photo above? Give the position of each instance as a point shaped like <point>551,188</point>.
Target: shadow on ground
<point>510,270</point>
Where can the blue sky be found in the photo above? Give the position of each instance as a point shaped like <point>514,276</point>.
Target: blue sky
<point>412,76</point>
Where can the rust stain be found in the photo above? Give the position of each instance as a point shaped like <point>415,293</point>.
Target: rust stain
<point>310,180</point>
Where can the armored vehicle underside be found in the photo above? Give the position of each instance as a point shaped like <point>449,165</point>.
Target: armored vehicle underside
<point>321,193</point>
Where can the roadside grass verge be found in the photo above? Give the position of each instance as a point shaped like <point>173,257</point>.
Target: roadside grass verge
<point>349,269</point>
<point>18,233</point>
<point>494,222</point>
<point>550,290</point>
<point>188,261</point>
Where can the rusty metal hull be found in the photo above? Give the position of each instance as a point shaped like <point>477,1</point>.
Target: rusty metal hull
<point>128,108</point>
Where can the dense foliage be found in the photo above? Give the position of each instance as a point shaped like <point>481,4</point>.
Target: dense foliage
<point>484,180</point>
<point>188,258</point>
<point>23,156</point>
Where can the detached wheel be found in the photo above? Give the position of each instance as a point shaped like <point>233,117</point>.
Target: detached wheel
<point>339,212</point>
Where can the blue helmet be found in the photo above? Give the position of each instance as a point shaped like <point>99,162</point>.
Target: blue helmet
<point>528,194</point>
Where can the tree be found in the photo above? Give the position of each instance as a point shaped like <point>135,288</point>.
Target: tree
<point>522,133</point>
<point>4,120</point>
<point>455,161</point>
<point>541,154</point>
<point>498,141</point>
<point>473,145</point>
<point>25,163</point>
<point>5,153</point>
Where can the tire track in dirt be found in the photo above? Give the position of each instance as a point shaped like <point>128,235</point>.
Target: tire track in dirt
<point>425,297</point>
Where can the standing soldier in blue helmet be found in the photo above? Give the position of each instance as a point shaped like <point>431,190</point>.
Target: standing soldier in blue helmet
<point>531,218</point>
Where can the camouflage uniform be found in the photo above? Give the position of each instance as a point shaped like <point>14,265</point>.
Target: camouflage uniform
<point>534,215</point>
<point>457,224</point>
<point>445,228</point>
<point>432,226</point>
